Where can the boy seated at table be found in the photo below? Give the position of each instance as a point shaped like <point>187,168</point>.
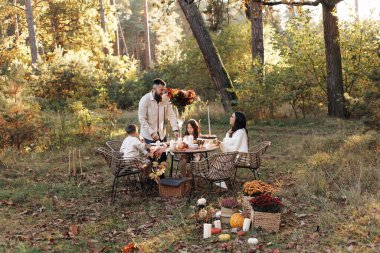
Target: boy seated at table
<point>132,147</point>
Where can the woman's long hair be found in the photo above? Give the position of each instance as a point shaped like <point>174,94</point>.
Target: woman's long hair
<point>194,125</point>
<point>240,123</point>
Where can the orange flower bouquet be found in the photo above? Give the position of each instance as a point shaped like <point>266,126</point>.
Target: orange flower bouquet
<point>256,188</point>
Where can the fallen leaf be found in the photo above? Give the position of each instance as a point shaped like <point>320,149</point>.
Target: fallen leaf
<point>74,229</point>
<point>300,215</point>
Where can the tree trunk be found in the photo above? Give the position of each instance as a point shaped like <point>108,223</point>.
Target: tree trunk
<point>335,88</point>
<point>256,16</point>
<point>17,34</point>
<point>148,56</point>
<point>117,39</point>
<point>102,18</point>
<point>213,61</point>
<point>357,9</point>
<point>31,31</point>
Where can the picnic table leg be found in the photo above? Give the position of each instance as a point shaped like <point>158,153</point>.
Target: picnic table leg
<point>171,165</point>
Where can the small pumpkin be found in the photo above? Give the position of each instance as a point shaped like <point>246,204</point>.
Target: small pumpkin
<point>224,237</point>
<point>241,233</point>
<point>253,241</point>
<point>237,220</point>
<point>215,231</point>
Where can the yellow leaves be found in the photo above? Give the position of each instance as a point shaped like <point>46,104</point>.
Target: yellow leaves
<point>320,159</point>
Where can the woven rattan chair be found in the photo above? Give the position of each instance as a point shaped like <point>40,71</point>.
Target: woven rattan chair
<point>114,145</point>
<point>252,159</point>
<point>216,168</point>
<point>121,167</point>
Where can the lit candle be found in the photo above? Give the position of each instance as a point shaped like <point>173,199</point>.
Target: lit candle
<point>246,224</point>
<point>208,117</point>
<point>218,224</point>
<point>206,230</point>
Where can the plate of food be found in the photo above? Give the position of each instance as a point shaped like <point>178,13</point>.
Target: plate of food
<point>158,145</point>
<point>207,137</point>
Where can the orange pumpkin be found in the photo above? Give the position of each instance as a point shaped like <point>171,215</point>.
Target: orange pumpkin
<point>237,220</point>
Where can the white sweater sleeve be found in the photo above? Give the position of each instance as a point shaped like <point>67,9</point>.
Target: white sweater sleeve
<point>238,142</point>
<point>140,146</point>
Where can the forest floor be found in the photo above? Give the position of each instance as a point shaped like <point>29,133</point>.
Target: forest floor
<point>41,210</point>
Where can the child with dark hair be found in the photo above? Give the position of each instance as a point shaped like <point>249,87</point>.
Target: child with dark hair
<point>192,128</point>
<point>132,147</point>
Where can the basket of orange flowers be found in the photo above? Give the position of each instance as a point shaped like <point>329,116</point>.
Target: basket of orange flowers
<point>253,189</point>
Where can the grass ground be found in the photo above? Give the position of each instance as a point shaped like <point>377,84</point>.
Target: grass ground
<point>43,211</point>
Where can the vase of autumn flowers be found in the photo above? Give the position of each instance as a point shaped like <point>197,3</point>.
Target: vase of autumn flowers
<point>181,98</point>
<point>266,212</point>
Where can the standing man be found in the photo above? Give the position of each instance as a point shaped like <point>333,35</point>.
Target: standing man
<point>153,110</point>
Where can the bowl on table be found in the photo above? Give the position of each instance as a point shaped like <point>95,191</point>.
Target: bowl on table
<point>193,146</point>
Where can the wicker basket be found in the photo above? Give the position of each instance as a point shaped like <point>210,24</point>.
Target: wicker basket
<point>246,206</point>
<point>267,221</point>
<point>227,213</point>
<point>175,191</point>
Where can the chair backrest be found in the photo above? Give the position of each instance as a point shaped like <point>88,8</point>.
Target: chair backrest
<point>260,148</point>
<point>222,165</point>
<point>117,164</point>
<point>114,145</point>
<point>109,157</point>
<point>256,152</point>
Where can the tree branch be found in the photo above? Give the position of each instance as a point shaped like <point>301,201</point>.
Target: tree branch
<point>313,3</point>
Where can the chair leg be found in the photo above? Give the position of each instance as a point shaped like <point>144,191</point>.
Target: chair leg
<point>192,188</point>
<point>209,190</point>
<point>230,187</point>
<point>114,189</point>
<point>171,166</point>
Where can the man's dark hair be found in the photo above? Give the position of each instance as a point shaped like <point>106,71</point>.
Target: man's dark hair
<point>159,81</point>
<point>130,129</point>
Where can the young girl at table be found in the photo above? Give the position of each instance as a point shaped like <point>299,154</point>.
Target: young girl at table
<point>192,128</point>
<point>237,137</point>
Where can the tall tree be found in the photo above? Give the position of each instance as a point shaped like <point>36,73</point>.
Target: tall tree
<point>17,33</point>
<point>257,33</point>
<point>31,31</point>
<point>102,17</point>
<point>148,56</point>
<point>213,61</point>
<point>335,89</point>
<point>357,9</point>
<point>117,39</point>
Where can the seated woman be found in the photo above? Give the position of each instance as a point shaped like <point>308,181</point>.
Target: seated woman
<point>237,137</point>
<point>192,128</point>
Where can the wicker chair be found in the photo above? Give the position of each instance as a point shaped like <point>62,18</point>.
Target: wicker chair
<point>216,168</point>
<point>114,145</point>
<point>252,159</point>
<point>120,167</point>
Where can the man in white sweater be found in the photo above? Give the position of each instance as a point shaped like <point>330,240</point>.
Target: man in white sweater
<point>153,110</point>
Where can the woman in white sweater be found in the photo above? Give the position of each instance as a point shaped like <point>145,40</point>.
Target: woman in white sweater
<point>237,137</point>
